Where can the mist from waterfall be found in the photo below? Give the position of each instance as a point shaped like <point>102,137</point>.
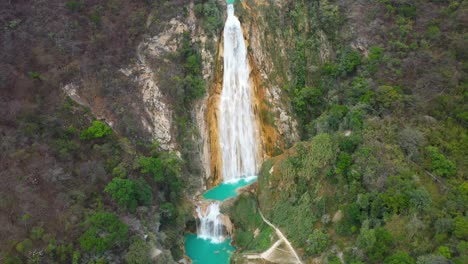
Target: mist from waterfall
<point>237,127</point>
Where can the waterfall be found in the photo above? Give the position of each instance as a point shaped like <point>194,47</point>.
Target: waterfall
<point>211,225</point>
<point>237,127</point>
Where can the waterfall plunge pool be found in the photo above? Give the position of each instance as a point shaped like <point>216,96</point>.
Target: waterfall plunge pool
<point>203,251</point>
<point>228,190</point>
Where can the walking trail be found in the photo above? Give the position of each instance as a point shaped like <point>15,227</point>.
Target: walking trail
<point>280,252</point>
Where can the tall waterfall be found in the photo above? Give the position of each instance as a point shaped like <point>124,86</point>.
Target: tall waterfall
<point>237,127</point>
<point>211,226</point>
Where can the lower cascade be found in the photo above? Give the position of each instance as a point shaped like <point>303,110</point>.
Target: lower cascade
<point>211,225</point>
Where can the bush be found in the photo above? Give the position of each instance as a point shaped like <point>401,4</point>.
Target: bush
<point>37,233</point>
<point>343,163</point>
<point>35,75</point>
<point>400,257</point>
<point>210,16</point>
<point>461,228</point>
<point>420,199</point>
<point>74,5</point>
<point>97,130</point>
<point>138,253</point>
<point>444,251</point>
<point>349,61</point>
<point>318,241</point>
<point>439,164</point>
<point>129,193</point>
<point>152,166</point>
<point>24,246</point>
<point>103,231</point>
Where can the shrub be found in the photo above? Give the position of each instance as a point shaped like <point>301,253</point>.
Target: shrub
<point>461,228</point>
<point>74,5</point>
<point>343,163</point>
<point>439,164</point>
<point>37,233</point>
<point>387,97</point>
<point>420,199</point>
<point>24,246</point>
<point>444,251</point>
<point>432,259</point>
<point>129,193</point>
<point>400,257</point>
<point>103,231</point>
<point>152,166</point>
<point>318,241</point>
<point>138,252</point>
<point>98,129</point>
<point>210,15</point>
<point>35,75</point>
<point>349,61</point>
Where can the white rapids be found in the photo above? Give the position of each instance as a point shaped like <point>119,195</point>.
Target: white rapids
<point>211,226</point>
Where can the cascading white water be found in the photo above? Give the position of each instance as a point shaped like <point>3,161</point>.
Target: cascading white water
<point>237,127</point>
<point>211,226</point>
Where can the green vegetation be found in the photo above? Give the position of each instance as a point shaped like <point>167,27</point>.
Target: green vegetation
<point>380,173</point>
<point>318,241</point>
<point>138,252</point>
<point>130,193</point>
<point>97,130</point>
<point>439,164</point>
<point>251,233</point>
<point>104,231</point>
<point>208,12</point>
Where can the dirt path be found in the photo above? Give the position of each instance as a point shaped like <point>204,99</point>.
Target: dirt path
<point>275,253</point>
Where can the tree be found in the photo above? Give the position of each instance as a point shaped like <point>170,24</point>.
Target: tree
<point>461,228</point>
<point>439,164</point>
<point>151,165</point>
<point>420,199</point>
<point>103,231</point>
<point>129,193</point>
<point>318,241</point>
<point>98,129</point>
<point>138,252</point>
<point>444,251</point>
<point>400,257</point>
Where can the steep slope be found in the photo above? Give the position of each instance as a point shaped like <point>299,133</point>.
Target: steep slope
<point>379,90</point>
<point>98,136</point>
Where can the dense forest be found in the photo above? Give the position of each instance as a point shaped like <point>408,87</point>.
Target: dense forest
<point>378,89</point>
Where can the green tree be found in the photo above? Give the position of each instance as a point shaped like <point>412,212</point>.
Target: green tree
<point>103,231</point>
<point>98,129</point>
<point>400,257</point>
<point>461,228</point>
<point>439,164</point>
<point>318,241</point>
<point>129,193</point>
<point>420,199</point>
<point>444,251</point>
<point>152,166</point>
<point>138,252</point>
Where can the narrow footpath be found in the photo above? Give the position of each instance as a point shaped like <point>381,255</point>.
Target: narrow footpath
<point>276,253</point>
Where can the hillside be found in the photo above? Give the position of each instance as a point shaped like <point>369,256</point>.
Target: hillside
<point>108,121</point>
